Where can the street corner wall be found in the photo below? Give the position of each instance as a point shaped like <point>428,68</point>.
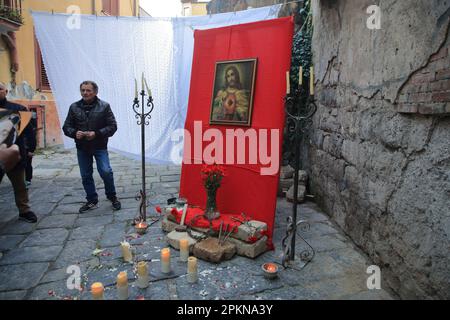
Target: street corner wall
<point>379,151</point>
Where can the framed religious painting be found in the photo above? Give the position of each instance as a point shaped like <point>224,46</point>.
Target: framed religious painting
<point>232,97</point>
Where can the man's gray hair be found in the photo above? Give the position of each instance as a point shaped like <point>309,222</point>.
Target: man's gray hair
<point>92,83</point>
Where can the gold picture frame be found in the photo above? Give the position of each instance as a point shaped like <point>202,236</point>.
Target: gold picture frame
<point>233,89</point>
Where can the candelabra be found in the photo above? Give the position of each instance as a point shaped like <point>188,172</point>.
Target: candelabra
<point>300,111</point>
<point>143,120</point>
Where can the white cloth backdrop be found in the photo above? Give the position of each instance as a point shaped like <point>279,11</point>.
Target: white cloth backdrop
<point>113,52</point>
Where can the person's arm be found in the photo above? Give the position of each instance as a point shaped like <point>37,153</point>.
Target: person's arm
<point>111,124</point>
<point>9,157</point>
<point>30,136</point>
<point>69,125</point>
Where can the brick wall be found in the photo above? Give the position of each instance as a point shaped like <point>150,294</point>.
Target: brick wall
<point>427,91</point>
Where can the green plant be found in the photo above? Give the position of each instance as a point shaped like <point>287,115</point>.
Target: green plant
<point>301,56</point>
<point>11,14</point>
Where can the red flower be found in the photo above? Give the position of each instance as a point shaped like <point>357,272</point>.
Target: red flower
<point>158,209</point>
<point>174,211</point>
<point>263,233</point>
<point>252,239</point>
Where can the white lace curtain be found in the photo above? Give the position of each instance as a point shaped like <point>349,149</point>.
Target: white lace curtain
<point>114,52</point>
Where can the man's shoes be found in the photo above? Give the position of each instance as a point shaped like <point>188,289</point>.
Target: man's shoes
<point>116,203</point>
<point>90,205</point>
<point>28,217</point>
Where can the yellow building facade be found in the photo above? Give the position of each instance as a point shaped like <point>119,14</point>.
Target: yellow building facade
<point>21,67</point>
<point>194,8</point>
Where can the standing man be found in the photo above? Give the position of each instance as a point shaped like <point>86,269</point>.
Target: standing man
<point>17,174</point>
<point>91,122</point>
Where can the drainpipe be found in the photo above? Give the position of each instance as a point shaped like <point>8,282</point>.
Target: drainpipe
<point>93,7</point>
<point>135,8</point>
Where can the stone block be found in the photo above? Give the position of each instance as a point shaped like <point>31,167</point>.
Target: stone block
<point>300,196</point>
<point>252,228</point>
<point>302,177</point>
<point>174,237</point>
<point>285,184</point>
<point>210,250</point>
<point>168,225</point>
<point>286,172</point>
<point>249,250</point>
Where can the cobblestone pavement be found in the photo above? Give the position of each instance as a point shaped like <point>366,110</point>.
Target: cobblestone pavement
<point>34,257</point>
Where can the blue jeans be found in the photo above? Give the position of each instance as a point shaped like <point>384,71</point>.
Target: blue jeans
<point>85,161</point>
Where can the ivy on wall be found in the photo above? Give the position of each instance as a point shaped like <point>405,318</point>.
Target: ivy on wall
<point>301,56</point>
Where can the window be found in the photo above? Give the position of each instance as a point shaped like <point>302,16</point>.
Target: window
<point>42,82</point>
<point>111,7</point>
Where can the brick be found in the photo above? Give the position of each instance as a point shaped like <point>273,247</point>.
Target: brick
<point>432,108</point>
<point>443,96</point>
<point>422,78</point>
<point>443,74</point>
<point>440,54</point>
<point>407,108</point>
<point>420,97</point>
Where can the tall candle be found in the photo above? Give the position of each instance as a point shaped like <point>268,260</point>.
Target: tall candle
<point>142,81</point>
<point>300,76</point>
<point>126,251</point>
<point>184,250</point>
<point>288,84</point>
<point>122,286</point>
<point>135,89</point>
<point>148,89</point>
<point>192,275</point>
<point>97,291</point>
<point>165,260</point>
<point>311,81</point>
<point>142,271</point>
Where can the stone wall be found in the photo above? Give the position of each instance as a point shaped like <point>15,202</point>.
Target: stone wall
<point>379,150</point>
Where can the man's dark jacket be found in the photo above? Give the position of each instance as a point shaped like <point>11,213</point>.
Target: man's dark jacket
<point>99,119</point>
<point>27,140</point>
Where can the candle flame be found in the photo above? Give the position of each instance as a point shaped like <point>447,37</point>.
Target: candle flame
<point>271,267</point>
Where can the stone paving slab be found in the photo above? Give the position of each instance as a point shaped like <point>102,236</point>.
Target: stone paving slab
<point>24,277</point>
<point>57,221</point>
<point>9,242</point>
<point>46,237</point>
<point>35,257</point>
<point>31,254</point>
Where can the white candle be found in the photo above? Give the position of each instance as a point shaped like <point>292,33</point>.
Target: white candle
<point>165,260</point>
<point>300,76</point>
<point>288,84</point>
<point>126,251</point>
<point>148,89</point>
<point>97,291</point>
<point>184,250</point>
<point>142,275</point>
<point>122,286</point>
<point>135,89</point>
<point>192,274</point>
<point>311,81</point>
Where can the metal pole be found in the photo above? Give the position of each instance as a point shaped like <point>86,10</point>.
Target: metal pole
<point>143,157</point>
<point>294,207</point>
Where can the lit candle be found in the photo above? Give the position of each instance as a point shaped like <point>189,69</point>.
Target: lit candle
<point>311,81</point>
<point>148,89</point>
<point>97,291</point>
<point>135,89</point>
<point>126,251</point>
<point>184,250</point>
<point>192,275</point>
<point>142,271</point>
<point>165,260</point>
<point>288,85</point>
<point>122,286</point>
<point>300,76</point>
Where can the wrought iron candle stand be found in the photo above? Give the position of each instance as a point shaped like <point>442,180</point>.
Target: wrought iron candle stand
<point>299,119</point>
<point>143,120</point>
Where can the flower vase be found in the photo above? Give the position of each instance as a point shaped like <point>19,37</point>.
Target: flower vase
<point>211,204</point>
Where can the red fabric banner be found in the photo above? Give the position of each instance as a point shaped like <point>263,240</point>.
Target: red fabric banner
<point>244,188</point>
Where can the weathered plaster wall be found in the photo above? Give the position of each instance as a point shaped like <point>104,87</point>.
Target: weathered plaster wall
<point>379,149</point>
